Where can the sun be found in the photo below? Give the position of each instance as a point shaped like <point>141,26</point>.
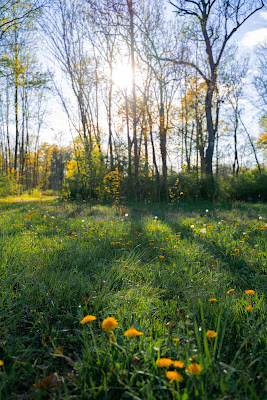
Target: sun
<point>122,77</point>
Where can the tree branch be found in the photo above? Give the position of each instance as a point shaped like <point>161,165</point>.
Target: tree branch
<point>227,37</point>
<point>184,11</point>
<point>189,64</point>
<point>17,20</point>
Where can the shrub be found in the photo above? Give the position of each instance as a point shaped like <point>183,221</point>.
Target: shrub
<point>9,187</point>
<point>186,185</point>
<point>248,186</point>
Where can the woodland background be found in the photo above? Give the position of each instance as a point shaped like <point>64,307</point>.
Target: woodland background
<point>156,96</point>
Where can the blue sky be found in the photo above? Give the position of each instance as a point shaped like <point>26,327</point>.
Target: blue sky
<point>254,31</point>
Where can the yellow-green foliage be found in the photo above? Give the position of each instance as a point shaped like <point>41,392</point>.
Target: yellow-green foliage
<point>112,185</point>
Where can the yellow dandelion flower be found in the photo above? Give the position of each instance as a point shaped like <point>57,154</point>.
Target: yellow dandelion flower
<point>230,291</point>
<point>164,362</point>
<point>88,318</point>
<point>59,350</point>
<point>249,292</point>
<point>132,332</point>
<point>212,300</point>
<point>211,334</point>
<point>193,369</point>
<point>109,323</point>
<point>178,364</point>
<point>112,338</point>
<point>161,256</point>
<point>174,376</point>
<point>249,308</point>
<point>176,339</point>
<point>1,363</point>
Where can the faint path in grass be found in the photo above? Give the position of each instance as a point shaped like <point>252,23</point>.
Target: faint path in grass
<point>34,199</point>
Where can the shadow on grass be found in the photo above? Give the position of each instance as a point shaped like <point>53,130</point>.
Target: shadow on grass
<point>82,251</point>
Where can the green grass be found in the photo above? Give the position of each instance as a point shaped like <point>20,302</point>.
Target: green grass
<point>61,262</point>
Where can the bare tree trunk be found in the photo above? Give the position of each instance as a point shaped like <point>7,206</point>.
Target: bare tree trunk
<point>27,152</point>
<point>129,140</point>
<point>217,155</point>
<point>146,148</point>
<point>236,162</point>
<point>136,161</point>
<point>22,147</point>
<point>16,105</point>
<point>210,129</point>
<point>150,123</point>
<point>110,115</point>
<point>163,139</point>
<point>252,145</point>
<point>7,130</point>
<point>96,101</point>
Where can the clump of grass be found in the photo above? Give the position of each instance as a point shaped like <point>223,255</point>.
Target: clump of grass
<point>191,283</point>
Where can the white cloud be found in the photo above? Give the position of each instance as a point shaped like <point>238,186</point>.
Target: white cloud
<point>263,15</point>
<point>253,38</point>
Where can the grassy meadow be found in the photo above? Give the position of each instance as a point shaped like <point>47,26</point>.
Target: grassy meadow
<point>191,281</point>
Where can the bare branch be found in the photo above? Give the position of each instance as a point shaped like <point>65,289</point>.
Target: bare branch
<point>187,63</point>
<point>227,37</point>
<point>185,11</point>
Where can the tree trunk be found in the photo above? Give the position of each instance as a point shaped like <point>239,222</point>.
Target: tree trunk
<point>252,145</point>
<point>16,125</point>
<point>136,160</point>
<point>146,148</point>
<point>163,139</point>
<point>110,115</point>
<point>7,130</point>
<point>210,129</point>
<point>236,163</point>
<point>129,145</point>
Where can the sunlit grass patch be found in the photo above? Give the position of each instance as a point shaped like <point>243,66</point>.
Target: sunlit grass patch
<point>61,263</point>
